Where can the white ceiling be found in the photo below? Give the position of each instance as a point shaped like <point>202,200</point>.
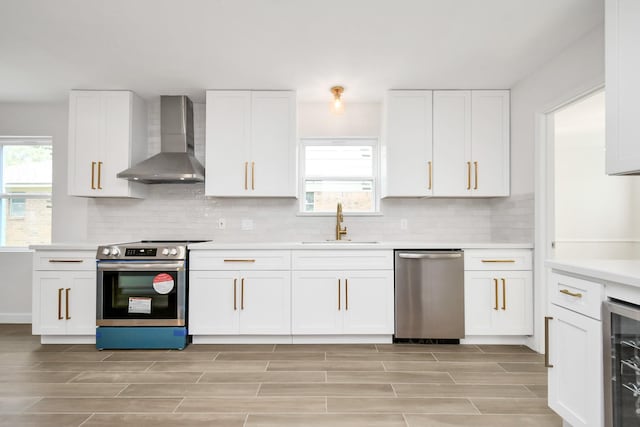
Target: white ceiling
<point>186,46</point>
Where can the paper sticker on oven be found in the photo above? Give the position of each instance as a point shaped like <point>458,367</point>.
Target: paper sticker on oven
<point>140,305</point>
<point>163,283</point>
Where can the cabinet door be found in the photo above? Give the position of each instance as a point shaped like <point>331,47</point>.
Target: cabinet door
<point>115,146</point>
<point>227,143</point>
<point>214,302</point>
<point>265,302</point>
<point>86,134</point>
<point>515,300</point>
<point>273,144</point>
<point>622,38</point>
<point>575,380</point>
<point>368,302</point>
<point>452,143</point>
<point>80,301</point>
<point>480,302</point>
<point>52,301</point>
<point>498,303</point>
<point>407,146</point>
<point>318,301</point>
<point>490,142</point>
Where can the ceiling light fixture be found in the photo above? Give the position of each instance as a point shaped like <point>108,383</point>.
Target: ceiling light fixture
<point>337,106</point>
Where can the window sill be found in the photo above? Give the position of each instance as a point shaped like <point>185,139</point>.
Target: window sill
<point>333,214</point>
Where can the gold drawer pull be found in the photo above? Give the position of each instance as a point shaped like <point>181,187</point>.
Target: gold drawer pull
<point>65,260</point>
<point>60,303</point>
<point>571,294</point>
<point>66,292</point>
<point>239,260</point>
<point>498,260</point>
<point>495,283</point>
<point>235,293</point>
<point>546,342</point>
<point>339,291</point>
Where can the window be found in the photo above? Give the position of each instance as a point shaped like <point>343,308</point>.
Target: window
<point>344,170</point>
<point>25,191</point>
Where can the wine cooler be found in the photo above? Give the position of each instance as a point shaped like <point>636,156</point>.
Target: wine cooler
<point>621,334</point>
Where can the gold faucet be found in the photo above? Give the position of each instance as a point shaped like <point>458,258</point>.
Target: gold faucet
<point>339,218</point>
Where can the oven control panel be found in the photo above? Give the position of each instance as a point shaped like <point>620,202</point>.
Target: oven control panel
<point>142,251</point>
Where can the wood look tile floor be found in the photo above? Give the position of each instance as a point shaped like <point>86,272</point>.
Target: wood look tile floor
<point>270,385</point>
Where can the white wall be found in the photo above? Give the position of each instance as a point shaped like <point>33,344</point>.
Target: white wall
<point>69,215</point>
<point>577,69</point>
<point>595,214</point>
<point>572,73</point>
<point>15,286</point>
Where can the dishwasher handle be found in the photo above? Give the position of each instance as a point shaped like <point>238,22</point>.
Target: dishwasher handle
<point>409,255</point>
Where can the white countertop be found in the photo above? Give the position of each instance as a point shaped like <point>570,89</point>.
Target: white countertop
<point>624,271</point>
<point>66,247</point>
<point>356,245</point>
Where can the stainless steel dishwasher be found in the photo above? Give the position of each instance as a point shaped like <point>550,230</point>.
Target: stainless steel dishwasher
<point>429,294</point>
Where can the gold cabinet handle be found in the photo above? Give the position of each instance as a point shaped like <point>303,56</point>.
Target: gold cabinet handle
<point>235,298</point>
<point>67,303</point>
<point>468,175</point>
<point>99,175</point>
<point>242,294</point>
<point>571,294</point>
<point>475,164</point>
<point>59,303</point>
<point>253,175</point>
<point>239,260</point>
<point>498,260</point>
<point>430,175</point>
<point>346,294</point>
<point>93,175</point>
<point>546,342</point>
<point>65,260</point>
<point>495,283</point>
<point>246,166</point>
<point>504,294</point>
<point>339,291</point>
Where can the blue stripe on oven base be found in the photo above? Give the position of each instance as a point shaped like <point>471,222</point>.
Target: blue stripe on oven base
<point>141,337</point>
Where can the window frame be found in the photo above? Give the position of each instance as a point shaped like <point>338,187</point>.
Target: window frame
<point>344,141</point>
<point>8,197</point>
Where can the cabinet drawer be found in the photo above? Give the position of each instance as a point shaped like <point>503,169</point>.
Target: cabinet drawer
<point>240,260</point>
<point>65,260</point>
<point>579,295</point>
<point>342,260</point>
<point>497,259</point>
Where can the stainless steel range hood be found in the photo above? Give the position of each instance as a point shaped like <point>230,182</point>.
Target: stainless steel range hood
<point>175,163</point>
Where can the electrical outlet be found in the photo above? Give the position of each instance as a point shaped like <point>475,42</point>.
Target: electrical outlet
<point>403,224</point>
<point>222,223</point>
<point>246,224</point>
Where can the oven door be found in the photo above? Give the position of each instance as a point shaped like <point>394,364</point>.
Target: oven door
<point>138,293</point>
<point>621,335</point>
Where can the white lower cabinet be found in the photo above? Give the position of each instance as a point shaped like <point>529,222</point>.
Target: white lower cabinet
<point>67,302</point>
<point>338,293</point>
<point>498,292</point>
<point>343,302</point>
<point>575,349</point>
<point>64,296</point>
<point>240,303</point>
<point>498,303</point>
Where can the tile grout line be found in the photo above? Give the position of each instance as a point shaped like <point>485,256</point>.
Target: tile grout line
<point>88,418</point>
<point>200,377</point>
<point>178,405</point>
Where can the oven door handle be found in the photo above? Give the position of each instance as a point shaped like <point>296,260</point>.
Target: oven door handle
<point>141,266</point>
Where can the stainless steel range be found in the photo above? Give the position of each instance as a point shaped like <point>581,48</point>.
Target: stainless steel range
<point>142,295</point>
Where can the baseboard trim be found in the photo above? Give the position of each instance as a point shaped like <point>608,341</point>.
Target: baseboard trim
<point>15,317</point>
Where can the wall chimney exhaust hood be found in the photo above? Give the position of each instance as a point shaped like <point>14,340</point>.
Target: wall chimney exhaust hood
<point>175,163</point>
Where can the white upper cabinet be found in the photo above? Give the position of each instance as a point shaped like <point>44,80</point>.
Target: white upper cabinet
<point>251,144</point>
<point>622,38</point>
<point>107,134</point>
<point>452,143</point>
<point>407,145</point>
